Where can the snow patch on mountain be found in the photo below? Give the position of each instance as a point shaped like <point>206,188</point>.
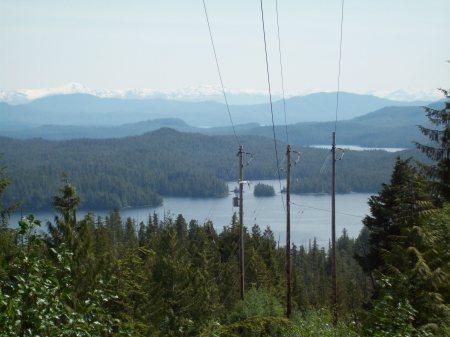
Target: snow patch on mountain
<point>195,94</point>
<point>410,94</point>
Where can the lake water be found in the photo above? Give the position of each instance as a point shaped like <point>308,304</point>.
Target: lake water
<point>360,148</point>
<point>310,213</point>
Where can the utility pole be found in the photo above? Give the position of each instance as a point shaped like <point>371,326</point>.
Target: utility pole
<point>241,219</point>
<point>333,232</point>
<point>288,235</point>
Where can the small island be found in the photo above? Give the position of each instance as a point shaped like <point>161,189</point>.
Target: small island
<point>263,190</point>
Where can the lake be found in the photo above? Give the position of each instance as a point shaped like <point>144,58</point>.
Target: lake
<point>310,213</point>
<point>360,148</point>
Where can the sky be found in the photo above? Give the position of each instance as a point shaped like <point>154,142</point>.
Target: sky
<point>164,45</point>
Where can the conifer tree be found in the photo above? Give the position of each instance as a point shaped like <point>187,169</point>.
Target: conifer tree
<point>5,212</point>
<point>76,237</point>
<point>439,149</point>
<point>397,205</point>
<point>7,247</point>
<point>130,238</point>
<point>64,229</point>
<point>406,245</point>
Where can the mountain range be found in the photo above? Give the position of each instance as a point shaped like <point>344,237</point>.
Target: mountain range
<point>362,121</point>
<point>89,110</point>
<point>197,93</point>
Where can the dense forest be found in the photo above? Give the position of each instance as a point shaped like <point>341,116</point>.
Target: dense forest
<point>171,277</point>
<point>140,170</point>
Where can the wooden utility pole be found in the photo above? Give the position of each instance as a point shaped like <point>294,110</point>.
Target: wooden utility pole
<point>288,235</point>
<point>241,220</point>
<point>333,232</point>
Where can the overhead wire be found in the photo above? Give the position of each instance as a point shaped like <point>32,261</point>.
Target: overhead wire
<point>220,74</point>
<point>221,83</point>
<point>339,68</point>
<point>270,100</point>
<point>327,210</point>
<point>281,73</point>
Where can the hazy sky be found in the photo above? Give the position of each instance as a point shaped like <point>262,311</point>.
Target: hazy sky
<point>164,45</point>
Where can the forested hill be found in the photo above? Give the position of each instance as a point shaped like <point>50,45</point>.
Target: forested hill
<point>138,170</point>
<point>386,127</point>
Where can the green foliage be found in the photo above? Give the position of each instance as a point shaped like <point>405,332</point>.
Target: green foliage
<point>257,302</point>
<point>101,277</point>
<point>263,190</point>
<point>392,317</point>
<point>174,279</point>
<point>318,323</point>
<point>250,327</point>
<point>408,244</point>
<point>34,297</point>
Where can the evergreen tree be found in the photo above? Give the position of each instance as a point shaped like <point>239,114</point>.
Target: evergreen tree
<point>204,254</point>
<point>7,247</point>
<point>5,212</point>
<point>181,226</point>
<point>130,238</point>
<point>404,248</point>
<point>396,206</point>
<point>77,238</point>
<point>142,234</point>
<point>439,150</point>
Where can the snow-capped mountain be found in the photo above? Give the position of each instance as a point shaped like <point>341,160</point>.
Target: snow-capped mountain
<point>410,94</point>
<point>195,94</point>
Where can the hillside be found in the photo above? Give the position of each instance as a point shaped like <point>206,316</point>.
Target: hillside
<point>386,127</point>
<point>63,132</point>
<point>139,170</point>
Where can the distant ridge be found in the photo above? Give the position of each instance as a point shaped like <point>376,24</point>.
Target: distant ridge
<point>89,110</point>
<point>386,127</point>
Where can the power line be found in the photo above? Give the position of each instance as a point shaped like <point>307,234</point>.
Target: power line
<point>220,75</point>
<point>270,99</point>
<point>339,68</point>
<point>281,72</point>
<point>327,210</point>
